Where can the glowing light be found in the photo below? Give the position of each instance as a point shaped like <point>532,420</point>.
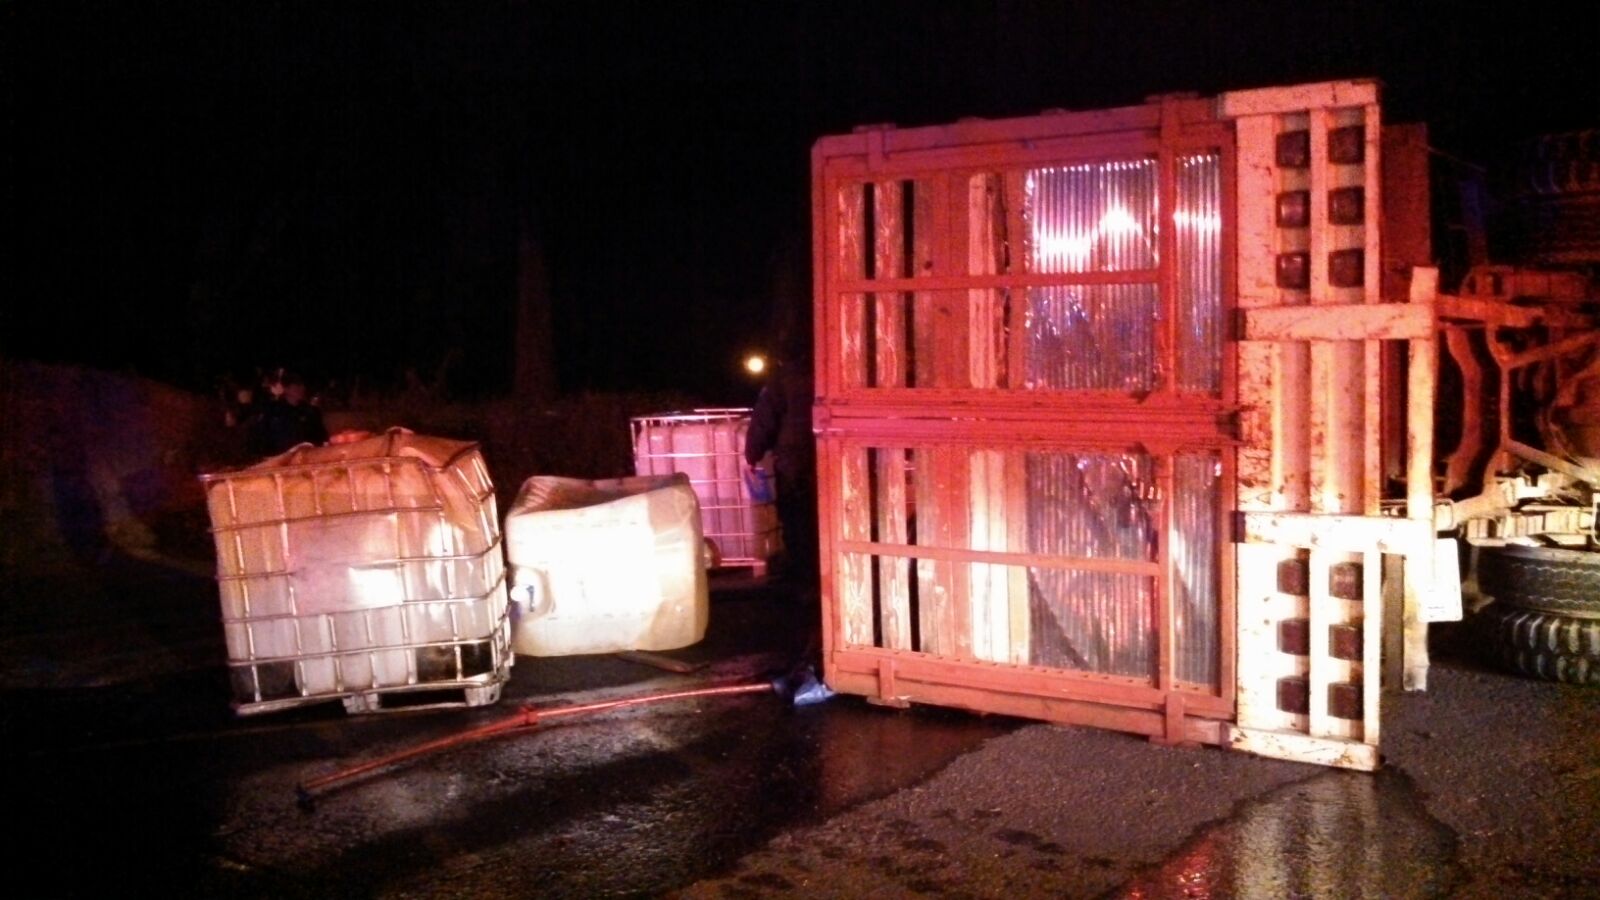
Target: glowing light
<point>1118,221</point>
<point>755,364</point>
<point>1207,222</point>
<point>1071,246</point>
<point>1076,248</point>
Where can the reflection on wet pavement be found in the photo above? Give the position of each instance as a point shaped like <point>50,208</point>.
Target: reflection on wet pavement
<point>1338,835</point>
<point>629,805</point>
<point>174,792</point>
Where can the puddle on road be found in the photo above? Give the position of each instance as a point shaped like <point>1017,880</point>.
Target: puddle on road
<point>696,810</point>
<point>629,805</point>
<point>1341,834</point>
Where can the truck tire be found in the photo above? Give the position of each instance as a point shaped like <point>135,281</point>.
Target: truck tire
<point>1545,645</point>
<point>1546,579</point>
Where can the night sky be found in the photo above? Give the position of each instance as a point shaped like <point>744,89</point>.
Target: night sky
<point>193,187</point>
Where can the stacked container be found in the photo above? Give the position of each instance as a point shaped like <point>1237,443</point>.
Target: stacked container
<point>362,571</point>
<point>708,446</point>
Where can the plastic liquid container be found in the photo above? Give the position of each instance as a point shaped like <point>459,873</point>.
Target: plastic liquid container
<point>708,446</point>
<point>358,569</point>
<point>606,566</point>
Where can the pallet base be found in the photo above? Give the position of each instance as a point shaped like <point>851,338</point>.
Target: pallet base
<point>757,567</point>
<point>422,696</point>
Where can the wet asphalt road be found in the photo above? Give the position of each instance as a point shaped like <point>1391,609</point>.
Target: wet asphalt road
<point>1491,789</point>
<point>126,769</point>
<point>143,770</point>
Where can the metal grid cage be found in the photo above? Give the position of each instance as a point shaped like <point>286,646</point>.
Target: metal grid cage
<point>708,446</point>
<point>361,571</point>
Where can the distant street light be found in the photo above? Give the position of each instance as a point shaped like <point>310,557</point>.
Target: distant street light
<point>755,364</point>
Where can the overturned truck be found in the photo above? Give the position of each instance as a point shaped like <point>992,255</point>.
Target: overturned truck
<point>1126,418</point>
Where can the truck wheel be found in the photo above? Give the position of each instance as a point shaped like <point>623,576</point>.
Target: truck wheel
<point>1546,579</point>
<point>1545,645</point>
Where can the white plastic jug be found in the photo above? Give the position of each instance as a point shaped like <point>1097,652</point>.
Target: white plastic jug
<point>606,566</point>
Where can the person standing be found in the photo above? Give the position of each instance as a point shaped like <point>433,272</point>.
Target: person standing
<point>288,420</point>
<point>780,424</point>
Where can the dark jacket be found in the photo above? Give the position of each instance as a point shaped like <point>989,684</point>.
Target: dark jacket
<point>284,425</point>
<point>781,424</point>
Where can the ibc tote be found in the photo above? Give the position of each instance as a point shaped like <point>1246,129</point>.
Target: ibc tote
<point>361,570</point>
<point>708,446</point>
<point>606,566</point>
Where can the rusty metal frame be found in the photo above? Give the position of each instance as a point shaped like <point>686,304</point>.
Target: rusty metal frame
<point>851,418</point>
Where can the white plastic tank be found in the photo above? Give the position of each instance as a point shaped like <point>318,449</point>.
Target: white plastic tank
<point>606,566</point>
<point>365,568</point>
<point>708,446</point>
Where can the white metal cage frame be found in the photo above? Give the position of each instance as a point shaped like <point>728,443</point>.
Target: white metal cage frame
<point>422,602</point>
<point>708,445</point>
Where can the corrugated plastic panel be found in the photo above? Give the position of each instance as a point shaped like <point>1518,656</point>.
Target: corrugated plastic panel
<point>1094,217</point>
<point>1092,337</point>
<point>1094,506</point>
<point>1198,223</point>
<point>1194,551</point>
